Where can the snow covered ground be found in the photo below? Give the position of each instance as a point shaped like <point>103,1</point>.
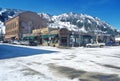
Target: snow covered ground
<point>42,63</point>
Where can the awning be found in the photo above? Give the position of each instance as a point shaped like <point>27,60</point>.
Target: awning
<point>45,36</point>
<point>51,35</point>
<point>32,37</point>
<point>29,37</point>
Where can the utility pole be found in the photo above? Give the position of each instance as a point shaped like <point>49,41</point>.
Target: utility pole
<point>79,36</point>
<point>49,38</point>
<point>1,34</point>
<point>73,38</point>
<point>30,25</point>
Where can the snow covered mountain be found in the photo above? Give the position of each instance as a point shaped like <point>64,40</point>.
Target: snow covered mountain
<point>82,22</point>
<point>71,21</point>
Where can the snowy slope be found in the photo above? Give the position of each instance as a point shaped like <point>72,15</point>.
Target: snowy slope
<point>73,21</point>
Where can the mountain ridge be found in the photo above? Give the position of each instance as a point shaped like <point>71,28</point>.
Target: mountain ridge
<point>77,21</point>
<point>71,21</point>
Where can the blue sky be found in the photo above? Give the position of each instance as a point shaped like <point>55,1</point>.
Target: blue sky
<point>107,10</point>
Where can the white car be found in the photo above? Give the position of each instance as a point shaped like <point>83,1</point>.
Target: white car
<point>16,42</point>
<point>24,42</point>
<point>95,45</point>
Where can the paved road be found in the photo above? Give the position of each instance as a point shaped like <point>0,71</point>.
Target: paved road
<point>9,51</point>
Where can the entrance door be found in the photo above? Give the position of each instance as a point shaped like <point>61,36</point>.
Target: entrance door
<point>63,41</point>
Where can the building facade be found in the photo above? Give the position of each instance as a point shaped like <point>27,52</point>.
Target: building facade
<point>24,23</point>
<point>50,36</point>
<point>12,29</point>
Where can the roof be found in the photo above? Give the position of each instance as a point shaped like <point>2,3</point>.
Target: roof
<point>20,14</point>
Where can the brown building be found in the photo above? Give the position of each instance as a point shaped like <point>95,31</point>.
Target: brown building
<point>50,36</point>
<point>55,37</point>
<point>58,37</point>
<point>24,23</point>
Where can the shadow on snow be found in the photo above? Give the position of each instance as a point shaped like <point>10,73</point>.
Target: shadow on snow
<point>7,51</point>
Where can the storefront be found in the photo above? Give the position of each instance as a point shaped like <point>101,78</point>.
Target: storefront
<point>55,37</point>
<point>64,37</point>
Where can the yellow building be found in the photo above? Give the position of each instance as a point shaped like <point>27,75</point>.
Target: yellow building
<point>53,36</point>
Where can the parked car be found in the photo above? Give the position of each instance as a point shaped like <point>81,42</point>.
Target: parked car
<point>24,42</point>
<point>28,43</point>
<point>1,41</point>
<point>96,44</point>
<point>112,44</point>
<point>5,41</point>
<point>33,43</point>
<point>16,42</point>
<point>116,44</point>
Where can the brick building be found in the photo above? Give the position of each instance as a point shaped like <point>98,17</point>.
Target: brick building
<point>23,23</point>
